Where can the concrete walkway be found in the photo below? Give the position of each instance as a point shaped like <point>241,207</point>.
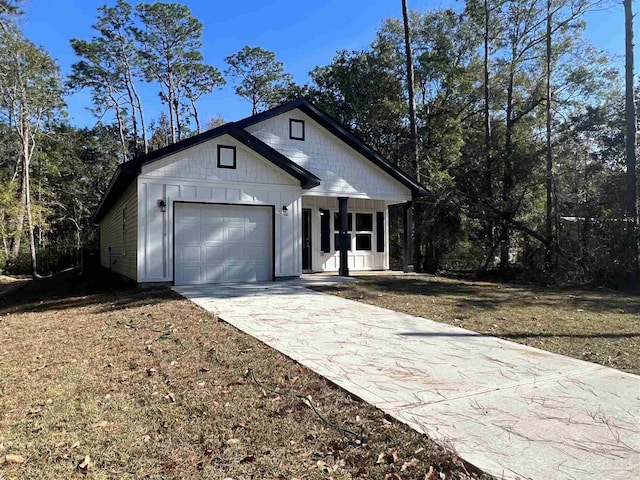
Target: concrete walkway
<point>511,410</point>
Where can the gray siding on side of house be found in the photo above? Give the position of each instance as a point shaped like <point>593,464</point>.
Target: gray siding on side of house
<point>123,242</point>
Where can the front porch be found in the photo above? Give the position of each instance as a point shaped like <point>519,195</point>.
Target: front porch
<point>361,223</point>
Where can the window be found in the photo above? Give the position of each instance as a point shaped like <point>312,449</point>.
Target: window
<point>336,229</point>
<point>363,241</point>
<point>124,232</point>
<point>380,231</point>
<point>336,241</point>
<point>325,231</point>
<point>226,156</point>
<point>364,222</point>
<point>296,129</point>
<point>336,222</point>
<point>364,231</point>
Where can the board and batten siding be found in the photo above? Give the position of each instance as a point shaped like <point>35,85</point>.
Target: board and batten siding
<point>193,175</point>
<point>118,246</point>
<point>357,259</point>
<point>343,171</point>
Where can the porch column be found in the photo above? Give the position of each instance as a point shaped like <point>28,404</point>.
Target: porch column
<point>344,242</point>
<point>407,221</point>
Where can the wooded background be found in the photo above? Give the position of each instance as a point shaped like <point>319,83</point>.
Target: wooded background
<point>520,130</point>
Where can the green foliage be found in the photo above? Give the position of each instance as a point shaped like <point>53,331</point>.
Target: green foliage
<point>260,78</point>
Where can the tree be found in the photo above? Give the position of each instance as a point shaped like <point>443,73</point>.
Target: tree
<point>169,40</point>
<point>630,116</point>
<point>115,27</point>
<point>413,135</point>
<point>30,96</point>
<point>200,79</point>
<point>9,9</point>
<point>109,65</point>
<point>365,91</point>
<point>160,133</point>
<point>259,76</point>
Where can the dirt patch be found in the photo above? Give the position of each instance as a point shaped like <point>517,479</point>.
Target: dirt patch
<point>105,381</point>
<point>600,326</point>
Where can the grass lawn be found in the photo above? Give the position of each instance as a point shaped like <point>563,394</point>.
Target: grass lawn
<point>111,382</point>
<point>600,326</point>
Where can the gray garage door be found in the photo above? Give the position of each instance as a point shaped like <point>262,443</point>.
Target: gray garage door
<point>222,243</point>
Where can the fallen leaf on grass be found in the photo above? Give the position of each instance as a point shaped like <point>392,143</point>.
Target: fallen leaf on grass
<point>100,424</point>
<point>392,475</point>
<point>389,457</point>
<point>85,464</point>
<point>12,458</point>
<point>430,475</point>
<point>233,441</point>
<point>75,445</point>
<point>411,463</point>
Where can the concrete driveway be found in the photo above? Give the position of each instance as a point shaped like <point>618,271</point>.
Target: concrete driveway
<point>511,410</point>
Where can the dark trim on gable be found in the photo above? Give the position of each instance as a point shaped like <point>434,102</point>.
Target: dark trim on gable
<point>345,135</point>
<point>127,172</point>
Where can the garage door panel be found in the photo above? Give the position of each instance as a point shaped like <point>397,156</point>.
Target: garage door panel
<point>212,233</point>
<point>189,275</point>
<point>189,254</point>
<point>222,243</point>
<point>236,234</point>
<point>190,213</point>
<point>214,254</point>
<point>188,233</point>
<point>213,274</point>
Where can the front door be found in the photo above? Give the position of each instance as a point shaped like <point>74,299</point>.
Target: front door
<point>306,239</point>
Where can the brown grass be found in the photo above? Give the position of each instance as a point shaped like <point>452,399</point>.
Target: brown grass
<point>130,379</point>
<point>601,326</point>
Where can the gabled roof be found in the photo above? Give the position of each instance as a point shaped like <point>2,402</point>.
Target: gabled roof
<point>127,172</point>
<point>342,133</point>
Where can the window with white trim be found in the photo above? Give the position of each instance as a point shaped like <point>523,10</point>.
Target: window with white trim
<point>364,231</point>
<point>336,229</point>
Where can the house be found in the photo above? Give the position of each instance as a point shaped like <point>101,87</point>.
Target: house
<point>267,197</point>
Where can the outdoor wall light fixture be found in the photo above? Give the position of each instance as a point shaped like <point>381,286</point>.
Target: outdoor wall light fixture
<point>162,205</point>
<point>285,211</point>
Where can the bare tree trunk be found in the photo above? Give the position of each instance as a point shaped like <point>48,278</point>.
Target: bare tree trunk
<point>145,143</point>
<point>631,198</point>
<point>195,114</point>
<point>123,140</point>
<point>549,169</point>
<point>134,117</point>
<point>487,136</point>
<point>413,139</point>
<point>176,108</point>
<point>171,94</point>
<point>507,179</point>
<point>17,237</point>
<point>27,181</point>
<point>630,116</point>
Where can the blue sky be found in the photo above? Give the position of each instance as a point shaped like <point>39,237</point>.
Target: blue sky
<point>302,33</point>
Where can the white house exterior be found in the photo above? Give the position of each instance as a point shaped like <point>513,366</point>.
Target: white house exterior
<point>267,197</point>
